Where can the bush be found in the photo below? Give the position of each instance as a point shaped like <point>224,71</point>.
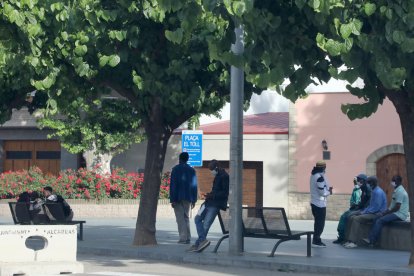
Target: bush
<point>79,184</point>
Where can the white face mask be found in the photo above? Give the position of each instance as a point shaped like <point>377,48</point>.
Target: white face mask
<point>357,186</point>
<point>213,172</point>
<point>393,184</point>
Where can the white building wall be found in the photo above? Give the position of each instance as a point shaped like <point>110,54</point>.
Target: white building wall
<point>272,150</point>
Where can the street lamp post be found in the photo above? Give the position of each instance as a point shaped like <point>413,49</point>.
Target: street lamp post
<point>236,149</point>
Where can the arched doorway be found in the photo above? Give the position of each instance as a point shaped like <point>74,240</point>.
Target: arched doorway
<point>386,162</point>
<point>387,167</point>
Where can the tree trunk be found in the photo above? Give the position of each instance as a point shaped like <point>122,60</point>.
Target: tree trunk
<point>99,162</point>
<point>158,135</point>
<point>405,110</point>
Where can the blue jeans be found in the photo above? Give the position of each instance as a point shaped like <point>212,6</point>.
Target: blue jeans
<point>204,221</point>
<point>378,223</point>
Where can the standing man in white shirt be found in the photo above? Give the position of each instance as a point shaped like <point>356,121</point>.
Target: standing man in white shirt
<point>319,190</point>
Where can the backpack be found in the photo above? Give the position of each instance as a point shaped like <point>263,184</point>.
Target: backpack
<point>66,206</point>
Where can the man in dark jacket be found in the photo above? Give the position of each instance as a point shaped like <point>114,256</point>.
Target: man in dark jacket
<point>214,201</point>
<point>354,205</point>
<point>183,194</point>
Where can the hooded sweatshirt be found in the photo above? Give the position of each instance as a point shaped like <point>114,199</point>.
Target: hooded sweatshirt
<point>319,187</point>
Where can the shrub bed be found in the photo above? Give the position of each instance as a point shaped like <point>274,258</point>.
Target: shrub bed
<point>79,184</point>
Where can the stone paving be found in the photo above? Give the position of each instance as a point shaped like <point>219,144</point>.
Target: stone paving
<point>113,237</point>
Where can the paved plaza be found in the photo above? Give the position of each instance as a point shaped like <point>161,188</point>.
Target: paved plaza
<point>111,239</point>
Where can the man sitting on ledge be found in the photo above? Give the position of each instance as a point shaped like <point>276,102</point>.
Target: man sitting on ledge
<point>398,210</point>
<point>377,205</point>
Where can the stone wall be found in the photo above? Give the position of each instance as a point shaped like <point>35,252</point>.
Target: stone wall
<point>105,209</point>
<point>299,206</point>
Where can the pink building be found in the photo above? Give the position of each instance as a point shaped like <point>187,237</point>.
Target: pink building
<point>371,145</point>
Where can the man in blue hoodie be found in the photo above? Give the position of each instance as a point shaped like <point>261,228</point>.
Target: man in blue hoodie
<point>183,195</point>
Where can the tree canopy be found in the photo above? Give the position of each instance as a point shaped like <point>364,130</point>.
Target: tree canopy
<point>374,41</point>
<point>169,58</point>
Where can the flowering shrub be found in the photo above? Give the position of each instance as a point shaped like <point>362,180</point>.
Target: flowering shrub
<point>79,184</point>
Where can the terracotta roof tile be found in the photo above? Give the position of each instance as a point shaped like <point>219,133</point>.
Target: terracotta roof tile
<point>264,123</point>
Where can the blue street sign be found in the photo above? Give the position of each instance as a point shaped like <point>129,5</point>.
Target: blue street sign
<point>192,142</point>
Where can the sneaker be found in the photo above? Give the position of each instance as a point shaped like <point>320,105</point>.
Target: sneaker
<point>192,248</point>
<point>318,244</point>
<point>184,242</point>
<point>203,245</point>
<point>338,241</point>
<point>350,245</point>
<point>366,241</point>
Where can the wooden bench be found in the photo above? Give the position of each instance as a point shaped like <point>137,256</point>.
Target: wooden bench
<point>265,223</point>
<point>52,214</point>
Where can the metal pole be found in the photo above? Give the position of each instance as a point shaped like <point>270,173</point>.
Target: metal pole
<point>236,149</point>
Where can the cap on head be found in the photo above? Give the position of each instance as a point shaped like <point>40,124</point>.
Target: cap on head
<point>372,180</point>
<point>321,164</point>
<point>397,179</point>
<point>362,176</point>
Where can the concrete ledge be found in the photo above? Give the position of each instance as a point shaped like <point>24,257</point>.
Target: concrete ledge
<point>52,251</point>
<point>394,236</point>
<point>40,268</point>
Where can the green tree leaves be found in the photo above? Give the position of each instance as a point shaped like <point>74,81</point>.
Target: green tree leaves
<point>174,36</point>
<point>369,8</point>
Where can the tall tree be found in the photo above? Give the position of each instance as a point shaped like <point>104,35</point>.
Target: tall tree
<point>98,127</point>
<point>155,54</point>
<point>166,58</point>
<point>374,40</point>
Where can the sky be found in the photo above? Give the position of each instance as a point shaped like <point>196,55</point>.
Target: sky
<point>271,101</point>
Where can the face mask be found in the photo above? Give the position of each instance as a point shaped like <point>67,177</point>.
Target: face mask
<point>356,186</point>
<point>213,172</point>
<point>393,184</point>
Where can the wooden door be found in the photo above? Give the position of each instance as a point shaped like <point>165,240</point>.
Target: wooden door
<point>18,155</point>
<point>47,156</point>
<point>252,181</point>
<point>23,154</point>
<point>387,167</point>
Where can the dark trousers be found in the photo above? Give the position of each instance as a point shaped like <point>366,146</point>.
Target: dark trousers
<point>319,215</point>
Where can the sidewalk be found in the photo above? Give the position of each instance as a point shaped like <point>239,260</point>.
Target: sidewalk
<point>113,237</point>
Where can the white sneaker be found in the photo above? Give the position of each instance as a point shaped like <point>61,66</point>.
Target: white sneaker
<point>351,245</point>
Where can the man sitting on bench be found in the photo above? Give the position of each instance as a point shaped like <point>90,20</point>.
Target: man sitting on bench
<point>51,197</point>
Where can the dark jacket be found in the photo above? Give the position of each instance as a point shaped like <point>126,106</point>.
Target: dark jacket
<point>365,197</point>
<point>183,184</point>
<point>59,199</point>
<point>220,192</point>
